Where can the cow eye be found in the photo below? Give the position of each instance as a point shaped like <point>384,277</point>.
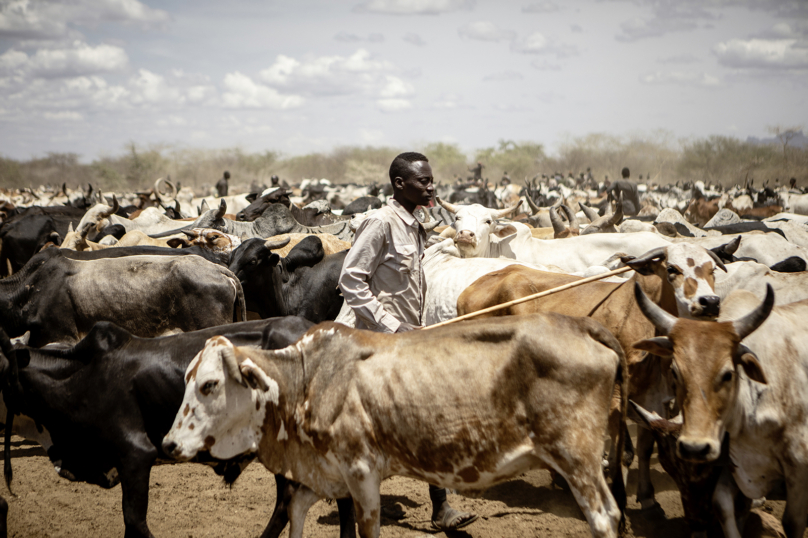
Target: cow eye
<point>488,221</point>
<point>672,270</point>
<point>208,387</point>
<point>727,377</point>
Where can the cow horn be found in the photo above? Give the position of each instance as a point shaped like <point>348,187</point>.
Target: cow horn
<point>228,354</point>
<point>659,254</point>
<point>533,207</point>
<point>192,234</point>
<point>451,208</point>
<point>750,322</point>
<point>661,319</point>
<point>555,220</point>
<point>574,224</point>
<point>278,243</point>
<point>617,217</point>
<point>221,211</point>
<point>652,419</point>
<point>70,228</point>
<point>717,260</point>
<point>113,209</point>
<point>431,225</point>
<point>502,213</point>
<point>590,213</point>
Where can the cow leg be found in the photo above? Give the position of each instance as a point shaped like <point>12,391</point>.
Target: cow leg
<point>645,489</point>
<point>347,519</point>
<point>364,488</point>
<point>584,476</point>
<point>280,515</point>
<point>796,503</point>
<point>135,470</point>
<point>3,518</point>
<point>724,504</point>
<point>302,499</point>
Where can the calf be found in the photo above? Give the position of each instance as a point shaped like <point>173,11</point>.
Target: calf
<point>464,406</point>
<point>747,378</point>
<point>108,401</point>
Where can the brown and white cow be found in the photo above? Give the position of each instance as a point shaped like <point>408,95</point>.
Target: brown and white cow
<point>678,277</point>
<point>755,391</point>
<point>464,406</point>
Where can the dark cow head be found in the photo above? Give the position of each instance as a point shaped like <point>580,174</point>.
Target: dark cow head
<point>257,207</point>
<point>255,255</point>
<point>212,218</point>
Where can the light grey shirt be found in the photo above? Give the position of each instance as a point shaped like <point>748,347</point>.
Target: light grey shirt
<point>382,277</point>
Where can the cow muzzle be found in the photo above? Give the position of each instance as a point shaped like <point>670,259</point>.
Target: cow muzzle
<point>173,450</point>
<point>466,237</point>
<point>698,450</point>
<point>706,308</point>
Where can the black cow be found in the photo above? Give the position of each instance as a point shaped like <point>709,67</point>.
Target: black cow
<point>59,299</point>
<point>304,283</point>
<point>259,205</point>
<point>108,401</point>
<point>22,235</point>
<point>362,204</point>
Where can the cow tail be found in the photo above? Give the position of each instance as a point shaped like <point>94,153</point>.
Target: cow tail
<point>241,303</point>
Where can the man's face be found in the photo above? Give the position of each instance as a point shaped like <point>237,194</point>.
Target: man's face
<point>417,186</point>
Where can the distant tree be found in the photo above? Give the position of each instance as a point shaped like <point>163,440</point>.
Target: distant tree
<point>784,135</point>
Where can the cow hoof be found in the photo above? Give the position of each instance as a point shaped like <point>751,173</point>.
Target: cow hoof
<point>393,511</point>
<point>757,503</point>
<point>453,519</point>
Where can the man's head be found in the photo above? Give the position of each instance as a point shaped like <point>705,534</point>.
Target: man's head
<point>411,177</point>
<point>275,180</point>
<point>226,174</point>
<point>792,182</point>
<point>625,173</point>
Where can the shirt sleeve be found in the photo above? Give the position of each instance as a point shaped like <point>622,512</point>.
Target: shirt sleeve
<point>361,262</point>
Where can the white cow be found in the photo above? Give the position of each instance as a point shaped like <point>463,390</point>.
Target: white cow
<point>752,276</point>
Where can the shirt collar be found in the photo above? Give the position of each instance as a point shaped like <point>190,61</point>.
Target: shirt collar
<point>408,218</point>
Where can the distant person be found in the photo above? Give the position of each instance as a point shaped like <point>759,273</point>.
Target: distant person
<point>628,190</point>
<point>478,172</point>
<point>506,179</point>
<point>792,183</point>
<point>257,187</point>
<point>276,182</point>
<point>221,185</point>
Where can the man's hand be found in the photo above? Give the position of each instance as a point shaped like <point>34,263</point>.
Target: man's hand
<point>404,327</point>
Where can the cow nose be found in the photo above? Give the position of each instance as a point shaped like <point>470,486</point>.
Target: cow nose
<point>169,447</point>
<point>710,305</point>
<point>693,451</point>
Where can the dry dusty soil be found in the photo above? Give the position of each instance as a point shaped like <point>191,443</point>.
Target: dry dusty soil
<point>189,500</point>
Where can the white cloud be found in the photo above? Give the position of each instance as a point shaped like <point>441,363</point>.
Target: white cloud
<point>485,31</point>
<point>667,17</point>
<point>243,92</point>
<point>64,115</point>
<point>413,7</point>
<point>544,65</point>
<point>762,54</point>
<point>449,101</point>
<point>80,60</point>
<point>504,76</point>
<point>52,20</point>
<point>686,58</point>
<point>685,78</point>
<point>414,39</point>
<point>541,7</point>
<point>393,105</point>
<point>532,44</point>
<point>395,87</point>
<point>357,74</point>
<point>346,37</point>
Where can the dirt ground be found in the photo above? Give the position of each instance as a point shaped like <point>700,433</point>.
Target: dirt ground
<point>190,501</point>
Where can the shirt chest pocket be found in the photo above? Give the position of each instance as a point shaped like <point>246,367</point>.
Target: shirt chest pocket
<point>405,257</point>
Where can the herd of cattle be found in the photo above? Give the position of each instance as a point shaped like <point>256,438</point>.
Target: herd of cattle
<point>157,326</point>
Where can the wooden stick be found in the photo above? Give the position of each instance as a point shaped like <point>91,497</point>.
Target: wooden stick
<point>531,297</point>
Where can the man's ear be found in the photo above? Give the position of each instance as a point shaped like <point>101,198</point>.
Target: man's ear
<point>398,182</point>
<point>661,346</point>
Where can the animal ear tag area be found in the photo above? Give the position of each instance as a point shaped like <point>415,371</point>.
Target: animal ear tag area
<point>660,346</point>
<point>253,376</point>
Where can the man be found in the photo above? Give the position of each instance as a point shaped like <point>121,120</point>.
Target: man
<point>478,173</point>
<point>624,187</point>
<point>221,185</point>
<point>383,280</point>
<point>506,179</point>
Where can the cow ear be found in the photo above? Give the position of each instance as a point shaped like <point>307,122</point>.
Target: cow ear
<point>254,376</point>
<point>505,231</point>
<point>178,242</point>
<point>661,346</point>
<point>749,362</point>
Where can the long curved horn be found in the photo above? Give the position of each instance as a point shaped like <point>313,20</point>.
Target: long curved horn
<point>617,217</point>
<point>717,260</point>
<point>555,220</point>
<point>502,213</point>
<point>190,233</point>
<point>174,190</point>
<point>451,208</point>
<point>661,319</point>
<point>279,243</point>
<point>221,211</point>
<point>228,355</point>
<point>654,254</point>
<point>113,209</point>
<point>754,319</point>
<point>533,207</point>
<point>574,224</point>
<point>590,213</point>
<point>431,225</point>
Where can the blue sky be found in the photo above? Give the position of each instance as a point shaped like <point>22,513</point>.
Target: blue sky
<point>88,76</point>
